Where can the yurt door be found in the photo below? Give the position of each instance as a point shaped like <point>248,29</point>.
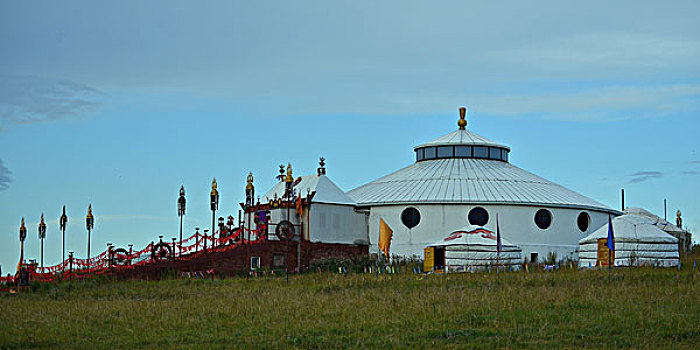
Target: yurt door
<point>439,258</point>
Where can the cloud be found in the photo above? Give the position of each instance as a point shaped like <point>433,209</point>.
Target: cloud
<point>689,172</point>
<point>5,177</point>
<point>608,103</point>
<point>641,176</point>
<point>29,99</point>
<point>609,51</point>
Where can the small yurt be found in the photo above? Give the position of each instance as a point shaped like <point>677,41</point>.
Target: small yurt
<point>638,242</point>
<point>472,248</point>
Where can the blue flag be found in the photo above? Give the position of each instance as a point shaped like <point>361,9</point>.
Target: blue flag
<point>499,247</point>
<point>611,235</point>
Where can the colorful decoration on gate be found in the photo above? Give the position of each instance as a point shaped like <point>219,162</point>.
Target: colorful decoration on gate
<point>284,230</point>
<point>119,257</point>
<point>162,251</point>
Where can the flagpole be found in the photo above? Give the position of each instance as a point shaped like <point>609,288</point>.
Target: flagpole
<point>498,248</point>
<point>379,237</point>
<point>611,244</point>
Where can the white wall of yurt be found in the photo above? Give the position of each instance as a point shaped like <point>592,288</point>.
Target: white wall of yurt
<point>516,222</point>
<point>473,248</point>
<point>637,243</point>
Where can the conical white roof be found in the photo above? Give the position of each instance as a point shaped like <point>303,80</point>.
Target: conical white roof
<point>474,236</point>
<point>468,180</point>
<point>326,190</point>
<point>657,220</point>
<point>462,137</point>
<point>631,228</point>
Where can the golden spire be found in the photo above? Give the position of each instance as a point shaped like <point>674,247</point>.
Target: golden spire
<point>21,227</point>
<point>289,178</point>
<point>42,219</point>
<point>89,215</point>
<point>250,186</point>
<point>462,122</point>
<point>321,169</point>
<point>213,187</point>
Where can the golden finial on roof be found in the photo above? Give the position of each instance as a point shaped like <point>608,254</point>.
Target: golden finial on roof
<point>213,187</point>
<point>22,232</point>
<point>42,219</point>
<point>289,178</point>
<point>322,170</point>
<point>462,122</point>
<point>89,215</point>
<point>250,186</point>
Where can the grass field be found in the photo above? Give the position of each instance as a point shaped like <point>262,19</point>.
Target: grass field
<point>633,308</point>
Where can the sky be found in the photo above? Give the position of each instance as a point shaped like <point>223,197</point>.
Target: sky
<point>119,103</point>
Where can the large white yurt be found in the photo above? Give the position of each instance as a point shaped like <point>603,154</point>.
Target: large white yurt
<point>638,242</point>
<point>472,248</point>
<point>463,178</point>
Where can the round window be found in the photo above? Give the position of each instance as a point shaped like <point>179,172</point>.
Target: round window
<point>543,218</point>
<point>478,216</point>
<point>583,221</point>
<point>410,217</point>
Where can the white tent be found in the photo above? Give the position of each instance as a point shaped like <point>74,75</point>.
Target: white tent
<point>637,242</point>
<point>474,248</point>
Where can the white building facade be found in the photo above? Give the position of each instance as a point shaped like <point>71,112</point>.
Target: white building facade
<point>465,179</point>
<point>328,214</point>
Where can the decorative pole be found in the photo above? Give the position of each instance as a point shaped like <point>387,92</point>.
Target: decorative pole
<point>181,212</point>
<point>249,190</point>
<point>22,237</point>
<point>221,227</point>
<point>70,263</point>
<point>110,257</point>
<point>196,239</point>
<point>62,226</point>
<point>289,193</point>
<point>89,224</point>
<point>249,198</point>
<point>214,201</point>
<point>42,235</point>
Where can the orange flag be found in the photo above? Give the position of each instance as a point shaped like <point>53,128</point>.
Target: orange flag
<point>385,234</point>
<point>299,207</point>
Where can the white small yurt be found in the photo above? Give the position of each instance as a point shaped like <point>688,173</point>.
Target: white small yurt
<point>638,242</point>
<point>472,248</point>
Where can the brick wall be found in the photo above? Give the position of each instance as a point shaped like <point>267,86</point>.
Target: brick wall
<point>236,260</point>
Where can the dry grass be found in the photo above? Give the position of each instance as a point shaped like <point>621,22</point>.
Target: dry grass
<point>634,308</point>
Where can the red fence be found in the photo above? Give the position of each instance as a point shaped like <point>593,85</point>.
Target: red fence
<point>114,258</point>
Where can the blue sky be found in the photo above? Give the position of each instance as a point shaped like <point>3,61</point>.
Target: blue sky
<point>119,103</point>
